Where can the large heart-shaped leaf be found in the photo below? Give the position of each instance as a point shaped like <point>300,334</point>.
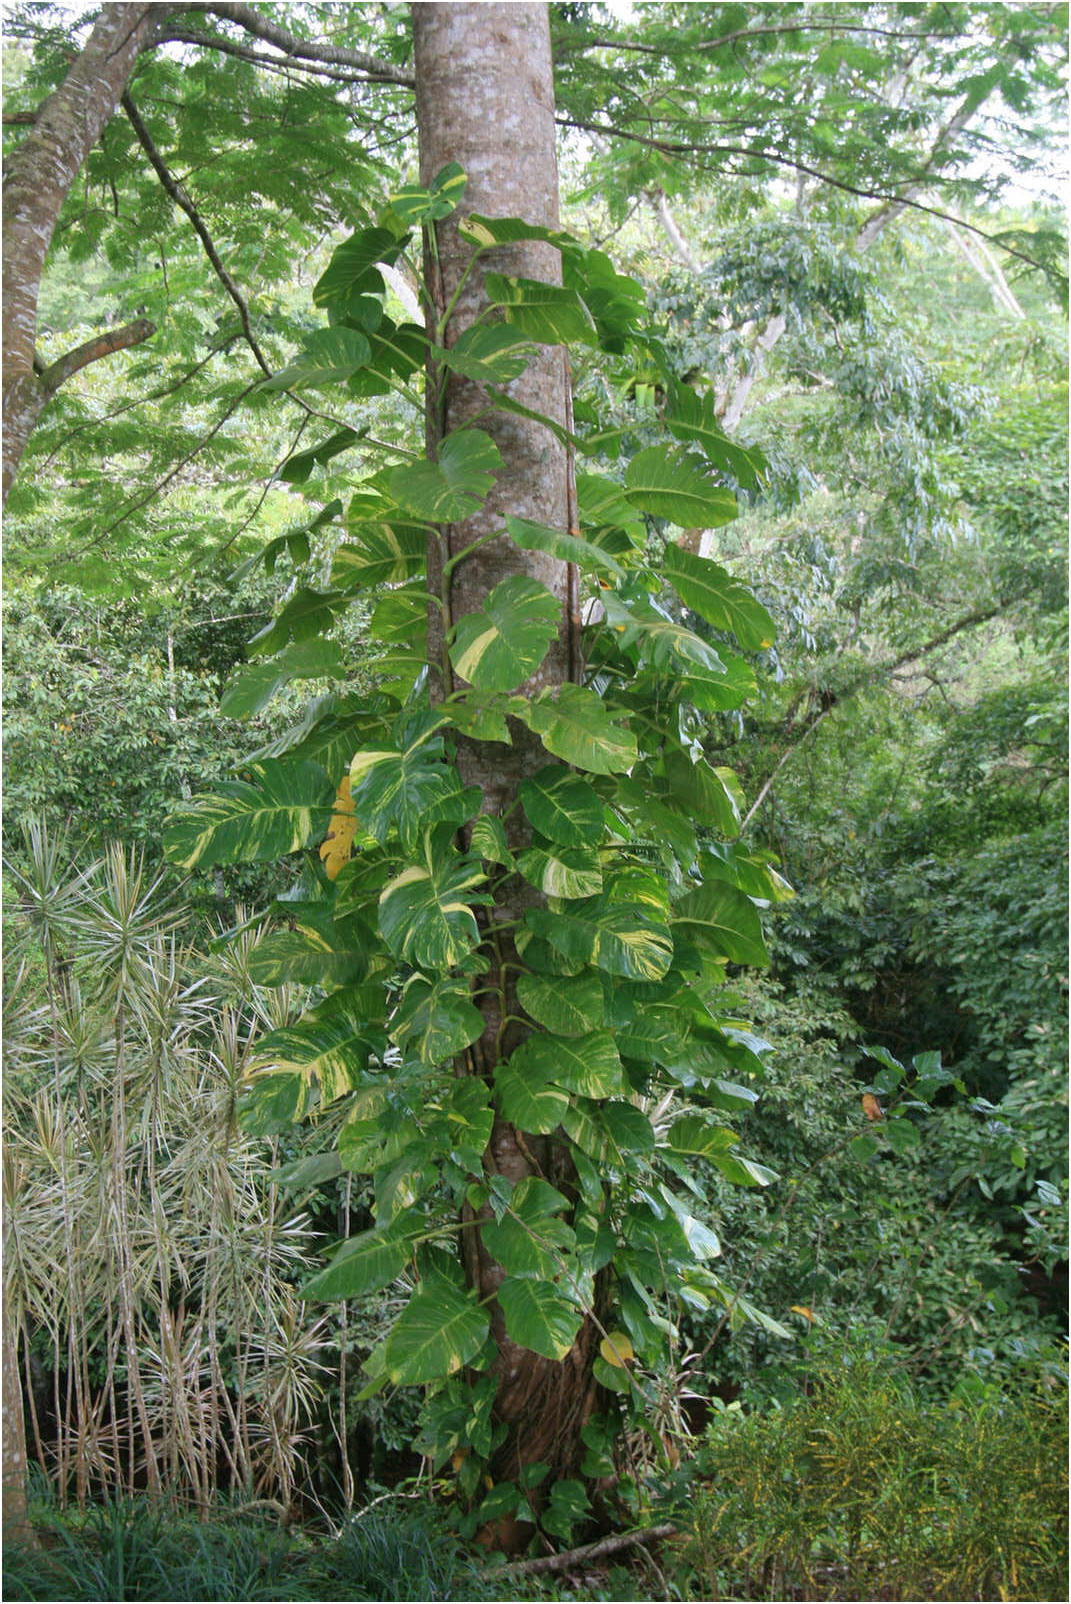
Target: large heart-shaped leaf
<point>402,788</point>
<point>379,553</point>
<point>576,726</point>
<point>453,487</point>
<point>318,950</point>
<point>677,485</point>
<point>330,355</point>
<point>488,354</point>
<point>719,598</point>
<point>702,793</point>
<point>692,418</point>
<point>505,640</point>
<point>588,1065</point>
<point>329,1044</point>
<point>532,1106</point>
<point>284,805</point>
<point>307,613</point>
<point>440,1329</point>
<point>414,204</point>
<point>365,1263</point>
<point>436,1021</point>
<point>550,314</point>
<point>538,1318</point>
<point>665,644</point>
<point>349,268</point>
<point>562,871</point>
<point>723,923</point>
<point>618,938</point>
<point>563,807</point>
<point>566,1006</point>
<point>425,915</point>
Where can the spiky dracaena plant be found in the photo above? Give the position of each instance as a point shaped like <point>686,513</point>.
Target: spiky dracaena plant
<point>165,1324</point>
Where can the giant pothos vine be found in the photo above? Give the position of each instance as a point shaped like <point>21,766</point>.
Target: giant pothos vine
<point>612,1048</point>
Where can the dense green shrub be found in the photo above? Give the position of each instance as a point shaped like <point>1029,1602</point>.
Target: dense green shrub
<point>863,1490</point>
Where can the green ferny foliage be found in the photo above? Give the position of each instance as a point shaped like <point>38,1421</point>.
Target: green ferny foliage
<point>608,983</point>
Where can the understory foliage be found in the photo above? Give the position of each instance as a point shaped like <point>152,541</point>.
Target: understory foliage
<point>864,1489</point>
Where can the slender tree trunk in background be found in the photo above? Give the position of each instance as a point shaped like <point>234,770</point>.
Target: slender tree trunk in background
<point>485,99</point>
<point>39,175</point>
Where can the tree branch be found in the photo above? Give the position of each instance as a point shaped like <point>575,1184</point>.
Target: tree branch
<point>667,147</point>
<point>590,1551</point>
<point>262,27</point>
<point>183,201</point>
<point>834,699</point>
<point>92,350</point>
<point>277,64</point>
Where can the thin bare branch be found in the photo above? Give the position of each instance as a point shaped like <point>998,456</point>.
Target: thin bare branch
<point>667,147</point>
<point>183,201</point>
<point>590,1551</point>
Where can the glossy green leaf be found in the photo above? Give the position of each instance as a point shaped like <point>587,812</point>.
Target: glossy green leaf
<point>436,1021</point>
<point>566,1006</point>
<point>568,548</point>
<point>532,1106</point>
<point>701,792</point>
<point>621,939</point>
<point>285,804</point>
<point>561,871</point>
<point>538,1318</point>
<point>488,354</point>
<point>484,232</point>
<point>691,1134</point>
<point>723,922</point>
<point>587,1065</point>
<point>692,419</point>
<point>499,645</point>
<point>297,468</point>
<point>328,1045</point>
<point>441,1329</point>
<point>665,644</point>
<point>453,487</point>
<point>425,914</point>
<point>414,204</point>
<point>350,265</point>
<point>307,613</point>
<point>378,553</point>
<point>402,788</point>
<point>252,688</point>
<point>547,313</point>
<point>576,726</point>
<point>563,807</point>
<point>676,485</point>
<point>330,355</point>
<point>365,1263</point>
<point>719,598</point>
<point>628,1128</point>
<point>315,952</point>
<point>488,840</point>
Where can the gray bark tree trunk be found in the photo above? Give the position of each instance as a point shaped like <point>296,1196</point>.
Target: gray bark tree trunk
<point>39,175</point>
<point>485,99</point>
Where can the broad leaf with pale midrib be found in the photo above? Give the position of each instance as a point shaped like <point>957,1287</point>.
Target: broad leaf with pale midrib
<point>284,805</point>
<point>576,726</point>
<point>676,485</point>
<point>538,1318</point>
<point>425,914</point>
<point>453,487</point>
<point>719,598</point>
<point>440,1329</point>
<point>500,644</point>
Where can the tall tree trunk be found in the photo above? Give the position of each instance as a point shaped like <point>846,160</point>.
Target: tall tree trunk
<point>485,99</point>
<point>39,175</point>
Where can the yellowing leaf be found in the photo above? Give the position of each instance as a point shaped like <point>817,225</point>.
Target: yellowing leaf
<point>871,1106</point>
<point>808,1315</point>
<point>338,842</point>
<point>616,1349</point>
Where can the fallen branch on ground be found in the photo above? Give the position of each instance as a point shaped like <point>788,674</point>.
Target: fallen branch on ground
<point>590,1551</point>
